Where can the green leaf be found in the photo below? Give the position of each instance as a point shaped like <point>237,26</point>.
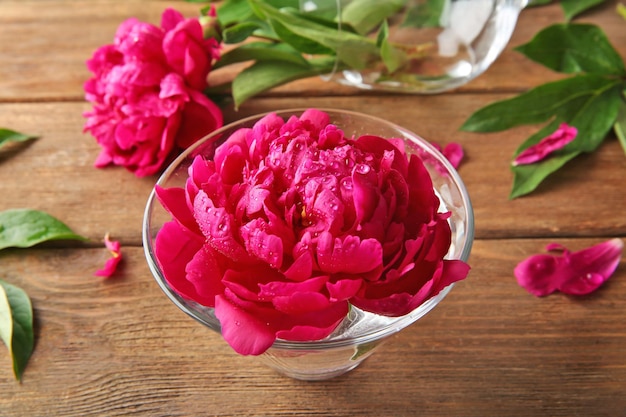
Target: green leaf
<point>300,38</point>
<point>538,2</point>
<point>621,10</point>
<point>572,8</point>
<point>425,15</point>
<point>23,228</point>
<point>593,117</point>
<point>239,32</point>
<point>392,57</point>
<point>16,325</point>
<point>366,15</point>
<point>572,48</point>
<point>261,51</point>
<point>620,125</point>
<point>8,135</point>
<point>528,177</point>
<point>234,11</point>
<point>535,106</point>
<point>264,75</point>
<point>310,37</point>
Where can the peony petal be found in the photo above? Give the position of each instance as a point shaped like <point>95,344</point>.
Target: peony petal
<point>574,273</point>
<point>343,289</point>
<point>453,153</point>
<point>175,248</point>
<point>216,225</point>
<point>174,201</point>
<point>315,325</point>
<point>557,140</point>
<point>350,254</point>
<point>116,256</point>
<point>300,303</point>
<point>301,268</point>
<point>199,117</point>
<point>365,191</point>
<point>262,245</point>
<point>205,273</point>
<point>540,275</point>
<point>592,266</point>
<point>246,334</point>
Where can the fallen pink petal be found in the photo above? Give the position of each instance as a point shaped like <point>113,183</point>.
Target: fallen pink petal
<point>453,153</point>
<point>116,256</point>
<point>538,152</point>
<point>573,273</point>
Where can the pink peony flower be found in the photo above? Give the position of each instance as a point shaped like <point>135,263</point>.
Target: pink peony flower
<point>291,222</point>
<point>116,256</point>
<point>147,92</point>
<point>574,273</point>
<point>561,137</point>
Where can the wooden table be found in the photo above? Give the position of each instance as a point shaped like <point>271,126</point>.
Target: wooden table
<point>120,347</point>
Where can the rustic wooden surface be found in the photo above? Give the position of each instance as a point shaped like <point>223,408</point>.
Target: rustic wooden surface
<point>120,347</point>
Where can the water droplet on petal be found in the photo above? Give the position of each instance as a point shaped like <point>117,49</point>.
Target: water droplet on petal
<point>362,169</point>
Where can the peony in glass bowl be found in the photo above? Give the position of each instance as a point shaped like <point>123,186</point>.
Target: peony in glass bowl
<point>357,332</point>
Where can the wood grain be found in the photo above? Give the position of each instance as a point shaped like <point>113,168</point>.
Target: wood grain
<point>56,173</point>
<point>120,347</point>
<point>53,41</point>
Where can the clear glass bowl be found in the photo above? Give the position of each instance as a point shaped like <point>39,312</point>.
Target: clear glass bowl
<point>361,332</point>
<point>438,46</point>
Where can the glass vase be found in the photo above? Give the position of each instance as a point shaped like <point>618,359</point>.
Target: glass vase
<point>432,46</point>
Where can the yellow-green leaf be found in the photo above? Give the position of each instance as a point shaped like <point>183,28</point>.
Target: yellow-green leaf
<point>16,325</point>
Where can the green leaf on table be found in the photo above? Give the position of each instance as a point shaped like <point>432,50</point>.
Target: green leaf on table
<point>16,325</point>
<point>8,135</point>
<point>425,15</point>
<point>620,125</point>
<point>528,177</point>
<point>572,8</point>
<point>24,228</point>
<point>572,48</point>
<point>264,75</point>
<point>366,15</point>
<point>592,115</point>
<point>536,105</point>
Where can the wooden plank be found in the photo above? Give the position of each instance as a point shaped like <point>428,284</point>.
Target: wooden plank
<point>56,174</point>
<point>45,45</point>
<point>120,347</point>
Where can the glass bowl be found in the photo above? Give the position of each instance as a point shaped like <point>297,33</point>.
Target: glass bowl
<point>361,332</point>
